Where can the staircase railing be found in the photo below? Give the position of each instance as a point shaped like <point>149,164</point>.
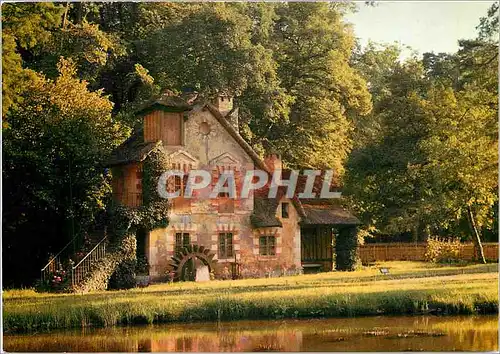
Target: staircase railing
<point>80,270</point>
<point>55,263</point>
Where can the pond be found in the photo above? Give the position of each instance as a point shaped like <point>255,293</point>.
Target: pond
<point>384,333</point>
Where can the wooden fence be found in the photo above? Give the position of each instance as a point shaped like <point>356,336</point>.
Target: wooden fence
<point>378,252</point>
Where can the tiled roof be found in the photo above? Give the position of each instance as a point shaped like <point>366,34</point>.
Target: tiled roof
<point>134,149</point>
<point>168,100</point>
<point>324,212</point>
<point>312,211</point>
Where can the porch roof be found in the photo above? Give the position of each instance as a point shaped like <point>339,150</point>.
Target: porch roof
<point>327,214</point>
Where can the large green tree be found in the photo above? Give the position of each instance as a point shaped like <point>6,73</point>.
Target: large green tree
<point>25,28</point>
<point>54,184</point>
<point>426,163</point>
<point>462,157</point>
<point>312,47</point>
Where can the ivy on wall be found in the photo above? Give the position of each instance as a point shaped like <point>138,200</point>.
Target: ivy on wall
<point>346,247</point>
<point>153,211</point>
<point>113,271</point>
<point>124,221</point>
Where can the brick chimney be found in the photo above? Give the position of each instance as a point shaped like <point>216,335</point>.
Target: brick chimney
<point>273,162</point>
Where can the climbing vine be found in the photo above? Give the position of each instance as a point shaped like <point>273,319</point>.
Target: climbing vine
<point>153,211</point>
<point>124,220</point>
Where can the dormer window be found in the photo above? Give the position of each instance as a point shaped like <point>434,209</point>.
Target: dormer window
<point>164,126</point>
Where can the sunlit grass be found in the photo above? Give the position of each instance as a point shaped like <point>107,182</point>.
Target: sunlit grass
<point>411,287</point>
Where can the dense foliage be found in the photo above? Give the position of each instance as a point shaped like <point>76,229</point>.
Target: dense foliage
<point>426,161</point>
<point>415,140</point>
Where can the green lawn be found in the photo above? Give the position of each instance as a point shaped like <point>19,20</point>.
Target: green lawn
<point>411,287</point>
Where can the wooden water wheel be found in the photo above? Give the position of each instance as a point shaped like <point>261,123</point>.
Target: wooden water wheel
<point>184,261</point>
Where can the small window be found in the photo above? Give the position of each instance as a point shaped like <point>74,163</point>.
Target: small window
<point>225,245</point>
<point>224,194</point>
<point>181,240</point>
<point>226,203</point>
<point>267,245</point>
<point>284,210</point>
<point>177,183</point>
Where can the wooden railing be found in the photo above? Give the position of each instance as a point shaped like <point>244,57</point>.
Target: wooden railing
<point>55,262</point>
<point>82,268</point>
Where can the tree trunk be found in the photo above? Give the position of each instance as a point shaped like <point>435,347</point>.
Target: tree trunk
<point>414,234</point>
<point>65,16</point>
<point>79,12</point>
<point>476,238</point>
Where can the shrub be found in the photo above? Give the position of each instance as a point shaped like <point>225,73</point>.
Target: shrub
<point>346,246</point>
<point>124,276</point>
<point>142,266</point>
<point>443,251</point>
<point>57,281</point>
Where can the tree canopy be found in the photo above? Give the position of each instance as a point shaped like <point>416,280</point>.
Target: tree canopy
<point>427,161</point>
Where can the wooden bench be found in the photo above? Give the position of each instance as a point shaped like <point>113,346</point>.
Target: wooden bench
<point>312,267</point>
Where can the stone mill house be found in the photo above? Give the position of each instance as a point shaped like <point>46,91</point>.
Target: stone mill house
<point>248,237</point>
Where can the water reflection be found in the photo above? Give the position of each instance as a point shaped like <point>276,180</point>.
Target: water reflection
<point>479,333</point>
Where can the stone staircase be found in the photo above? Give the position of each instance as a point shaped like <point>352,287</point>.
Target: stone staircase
<point>77,264</point>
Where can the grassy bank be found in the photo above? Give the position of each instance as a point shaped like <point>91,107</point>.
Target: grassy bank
<point>410,288</point>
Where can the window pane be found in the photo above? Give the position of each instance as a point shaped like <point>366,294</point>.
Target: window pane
<point>178,241</point>
<point>229,245</point>
<point>284,210</point>
<point>262,246</point>
<point>272,245</point>
<point>186,240</point>
<point>222,246</point>
<point>179,185</point>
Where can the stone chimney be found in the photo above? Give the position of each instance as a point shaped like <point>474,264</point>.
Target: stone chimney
<point>232,117</point>
<point>223,103</point>
<point>273,162</point>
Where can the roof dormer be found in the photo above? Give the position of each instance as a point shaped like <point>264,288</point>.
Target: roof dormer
<point>163,119</point>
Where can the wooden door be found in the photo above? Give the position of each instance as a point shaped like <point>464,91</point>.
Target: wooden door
<point>316,247</point>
